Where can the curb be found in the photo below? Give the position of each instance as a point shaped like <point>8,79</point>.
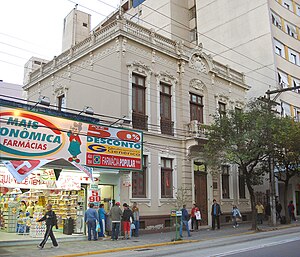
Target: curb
<point>127,248</point>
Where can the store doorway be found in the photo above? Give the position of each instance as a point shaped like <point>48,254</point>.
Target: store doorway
<point>107,195</point>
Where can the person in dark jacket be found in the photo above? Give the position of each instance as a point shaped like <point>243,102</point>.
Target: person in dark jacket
<point>51,221</point>
<point>91,218</point>
<point>215,214</point>
<point>127,214</point>
<point>184,221</point>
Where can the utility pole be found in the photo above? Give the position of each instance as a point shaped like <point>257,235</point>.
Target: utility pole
<point>271,161</point>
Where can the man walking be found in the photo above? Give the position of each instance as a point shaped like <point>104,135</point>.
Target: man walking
<point>136,219</point>
<point>116,216</point>
<point>260,212</point>
<point>51,220</point>
<point>215,214</point>
<point>91,219</point>
<point>184,221</point>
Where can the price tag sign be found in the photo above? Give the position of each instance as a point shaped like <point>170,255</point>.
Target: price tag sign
<point>94,195</point>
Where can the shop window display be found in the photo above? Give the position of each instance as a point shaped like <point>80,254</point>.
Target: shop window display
<point>19,212</point>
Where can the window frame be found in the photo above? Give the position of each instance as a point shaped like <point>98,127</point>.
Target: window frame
<point>144,173</point>
<point>222,108</point>
<point>225,181</point>
<point>60,105</point>
<point>198,105</point>
<point>165,99</point>
<point>136,88</point>
<point>166,171</point>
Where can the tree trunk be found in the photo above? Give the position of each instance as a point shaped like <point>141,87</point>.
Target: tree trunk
<point>253,201</point>
<point>285,201</point>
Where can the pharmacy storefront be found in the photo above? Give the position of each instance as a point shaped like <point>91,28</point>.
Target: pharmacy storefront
<point>46,159</point>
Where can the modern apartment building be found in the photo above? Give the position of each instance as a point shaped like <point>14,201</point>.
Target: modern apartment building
<point>167,89</point>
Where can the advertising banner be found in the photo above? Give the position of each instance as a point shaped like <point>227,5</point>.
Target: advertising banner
<point>32,136</point>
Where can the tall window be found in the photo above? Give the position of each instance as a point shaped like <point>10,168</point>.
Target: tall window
<point>139,180</point>
<point>225,181</point>
<point>222,109</point>
<point>166,178</point>
<point>138,94</point>
<point>196,107</point>
<point>139,118</point>
<point>61,102</point>
<point>166,123</point>
<point>165,101</point>
<point>242,185</point>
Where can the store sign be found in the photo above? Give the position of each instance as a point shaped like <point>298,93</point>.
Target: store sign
<point>22,169</point>
<point>36,180</point>
<point>69,181</point>
<point>32,136</point>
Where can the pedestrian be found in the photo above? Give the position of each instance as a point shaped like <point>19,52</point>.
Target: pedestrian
<point>91,219</point>
<point>51,221</point>
<point>136,219</point>
<point>236,214</point>
<point>278,210</point>
<point>291,210</point>
<point>260,212</point>
<point>184,221</point>
<point>215,214</point>
<point>126,218</point>
<point>115,216</point>
<point>194,214</point>
<point>101,213</point>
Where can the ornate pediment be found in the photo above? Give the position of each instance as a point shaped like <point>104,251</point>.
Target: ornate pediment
<point>200,61</point>
<point>197,84</point>
<point>139,67</point>
<point>166,77</point>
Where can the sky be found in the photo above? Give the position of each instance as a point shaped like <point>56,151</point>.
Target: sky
<point>35,27</point>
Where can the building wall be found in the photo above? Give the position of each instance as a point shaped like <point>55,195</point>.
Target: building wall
<point>77,26</point>
<point>98,73</point>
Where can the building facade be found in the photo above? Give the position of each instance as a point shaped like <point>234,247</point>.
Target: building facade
<point>261,38</point>
<point>167,89</point>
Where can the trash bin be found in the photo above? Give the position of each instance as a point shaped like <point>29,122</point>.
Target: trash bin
<point>68,226</point>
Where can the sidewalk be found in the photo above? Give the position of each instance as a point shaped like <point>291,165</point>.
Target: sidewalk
<point>84,247</point>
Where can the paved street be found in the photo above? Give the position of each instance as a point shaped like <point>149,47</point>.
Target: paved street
<point>158,241</point>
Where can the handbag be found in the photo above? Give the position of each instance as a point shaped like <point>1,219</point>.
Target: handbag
<point>132,226</point>
<point>198,215</point>
<point>98,228</point>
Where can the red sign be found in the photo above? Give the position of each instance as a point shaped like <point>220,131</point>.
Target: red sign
<point>113,161</point>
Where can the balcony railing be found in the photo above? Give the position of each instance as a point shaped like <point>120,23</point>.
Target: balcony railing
<point>167,127</point>
<point>139,121</point>
<point>196,129</point>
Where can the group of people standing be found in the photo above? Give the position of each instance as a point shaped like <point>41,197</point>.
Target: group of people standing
<point>261,211</point>
<point>128,217</point>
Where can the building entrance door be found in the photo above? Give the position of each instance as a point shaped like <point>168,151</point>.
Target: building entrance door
<point>107,195</point>
<point>201,194</point>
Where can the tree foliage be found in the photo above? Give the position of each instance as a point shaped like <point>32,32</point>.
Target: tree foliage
<point>242,138</point>
<point>286,153</point>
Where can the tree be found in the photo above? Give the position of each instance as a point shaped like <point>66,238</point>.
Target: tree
<point>242,137</point>
<point>287,154</point>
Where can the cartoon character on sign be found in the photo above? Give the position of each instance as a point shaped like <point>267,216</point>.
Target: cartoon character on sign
<point>75,142</point>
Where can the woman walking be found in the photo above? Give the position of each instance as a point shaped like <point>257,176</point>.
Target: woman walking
<point>235,215</point>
